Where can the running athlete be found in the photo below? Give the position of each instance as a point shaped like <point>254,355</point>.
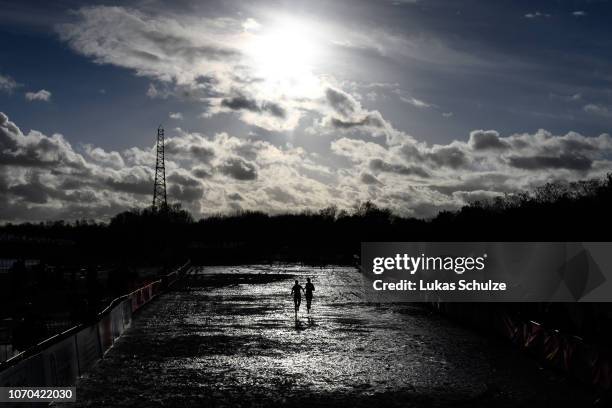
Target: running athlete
<point>309,289</point>
<point>296,291</point>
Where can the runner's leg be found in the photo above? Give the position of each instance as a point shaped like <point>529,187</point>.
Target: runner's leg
<point>296,302</point>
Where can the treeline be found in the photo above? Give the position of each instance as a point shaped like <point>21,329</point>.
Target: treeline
<point>553,212</point>
<point>558,211</point>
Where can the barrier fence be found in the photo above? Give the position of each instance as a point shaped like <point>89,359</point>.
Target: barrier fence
<point>61,359</point>
<point>589,363</point>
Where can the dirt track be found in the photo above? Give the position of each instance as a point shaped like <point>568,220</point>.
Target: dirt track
<point>229,338</point>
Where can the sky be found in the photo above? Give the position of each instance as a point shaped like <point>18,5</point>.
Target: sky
<point>282,106</point>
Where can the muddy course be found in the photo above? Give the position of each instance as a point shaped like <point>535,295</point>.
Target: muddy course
<point>227,336</point>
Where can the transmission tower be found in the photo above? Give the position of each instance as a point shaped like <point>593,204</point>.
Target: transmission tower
<point>159,188</point>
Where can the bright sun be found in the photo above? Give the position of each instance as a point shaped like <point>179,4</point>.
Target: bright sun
<point>284,57</point>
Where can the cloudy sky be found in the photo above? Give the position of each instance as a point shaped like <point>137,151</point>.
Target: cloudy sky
<point>417,105</point>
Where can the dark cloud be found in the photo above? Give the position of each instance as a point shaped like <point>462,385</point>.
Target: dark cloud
<point>247,151</point>
<point>131,184</point>
<point>177,192</point>
<point>367,178</point>
<point>444,156</point>
<point>235,197</point>
<point>448,156</point>
<point>206,80</point>
<point>278,194</point>
<point>340,101</point>
<point>577,145</point>
<point>34,191</point>
<point>242,102</point>
<point>31,192</point>
<point>369,120</point>
<point>194,147</point>
<point>83,196</point>
<point>410,152</point>
<point>563,161</point>
<point>201,173</point>
<point>4,185</point>
<point>204,154</point>
<point>486,139</point>
<point>183,180</point>
<point>381,165</point>
<point>72,183</point>
<point>238,169</point>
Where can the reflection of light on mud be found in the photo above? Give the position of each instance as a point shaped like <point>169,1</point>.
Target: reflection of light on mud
<point>345,345</point>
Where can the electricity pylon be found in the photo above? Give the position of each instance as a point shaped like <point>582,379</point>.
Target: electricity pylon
<point>159,188</point>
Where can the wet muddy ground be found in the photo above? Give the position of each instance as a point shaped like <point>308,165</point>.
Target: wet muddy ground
<point>228,337</point>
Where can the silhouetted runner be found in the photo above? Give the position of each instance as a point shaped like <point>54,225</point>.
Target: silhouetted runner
<point>296,291</point>
<point>309,289</point>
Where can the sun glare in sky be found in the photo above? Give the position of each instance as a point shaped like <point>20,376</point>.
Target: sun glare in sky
<point>284,57</point>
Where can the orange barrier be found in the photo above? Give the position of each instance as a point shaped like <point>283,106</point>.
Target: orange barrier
<point>588,363</point>
<point>61,359</point>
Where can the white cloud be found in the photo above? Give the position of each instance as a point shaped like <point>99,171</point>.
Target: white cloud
<point>99,155</point>
<point>579,13</point>
<point>207,60</point>
<point>42,95</point>
<point>415,102</point>
<point>599,110</point>
<point>250,24</point>
<point>176,115</point>
<point>411,100</point>
<point>537,14</point>
<point>7,84</point>
<point>208,173</point>
<point>215,61</point>
<point>575,97</point>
